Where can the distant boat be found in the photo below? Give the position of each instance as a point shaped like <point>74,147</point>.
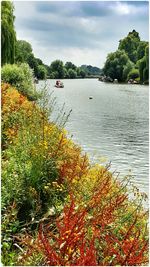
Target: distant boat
<point>59,84</point>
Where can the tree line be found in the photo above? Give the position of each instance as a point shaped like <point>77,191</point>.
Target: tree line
<point>130,61</point>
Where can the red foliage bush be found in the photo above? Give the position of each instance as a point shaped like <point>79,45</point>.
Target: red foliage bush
<point>70,246</point>
<point>79,241</point>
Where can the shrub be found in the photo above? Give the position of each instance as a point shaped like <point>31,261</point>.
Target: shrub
<point>31,157</point>
<point>20,76</point>
<point>12,74</point>
<point>78,239</point>
<point>133,74</point>
<point>86,214</point>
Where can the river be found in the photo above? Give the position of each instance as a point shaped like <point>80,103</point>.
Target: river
<point>112,126</point>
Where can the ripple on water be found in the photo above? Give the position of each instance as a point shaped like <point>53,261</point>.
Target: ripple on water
<point>114,123</point>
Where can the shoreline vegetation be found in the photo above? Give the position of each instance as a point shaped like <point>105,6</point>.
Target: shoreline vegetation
<point>57,209</point>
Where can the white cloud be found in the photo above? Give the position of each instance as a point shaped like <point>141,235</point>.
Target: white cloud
<point>123,9</point>
<point>128,8</point>
<point>82,39</point>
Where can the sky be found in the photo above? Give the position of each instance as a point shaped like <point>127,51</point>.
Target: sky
<point>82,32</point>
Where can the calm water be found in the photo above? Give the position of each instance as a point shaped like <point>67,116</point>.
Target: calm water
<point>113,125</point>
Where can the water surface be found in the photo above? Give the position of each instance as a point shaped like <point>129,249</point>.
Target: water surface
<point>113,124</point>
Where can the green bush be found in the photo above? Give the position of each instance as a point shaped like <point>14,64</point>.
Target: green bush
<point>30,174</point>
<point>20,76</point>
<point>12,74</point>
<point>133,74</point>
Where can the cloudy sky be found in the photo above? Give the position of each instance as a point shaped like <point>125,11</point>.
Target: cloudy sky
<point>82,32</point>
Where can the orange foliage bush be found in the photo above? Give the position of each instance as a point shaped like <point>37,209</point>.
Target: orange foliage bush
<point>99,225</point>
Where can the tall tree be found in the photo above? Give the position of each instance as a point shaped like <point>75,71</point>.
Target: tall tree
<point>33,63</point>
<point>117,65</point>
<point>143,65</point>
<point>130,44</point>
<point>57,69</point>
<point>70,65</point>
<point>8,34</point>
<point>23,51</point>
<point>42,72</point>
<point>141,49</point>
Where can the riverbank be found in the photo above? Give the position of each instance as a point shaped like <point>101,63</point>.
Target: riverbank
<point>57,209</point>
<point>107,79</point>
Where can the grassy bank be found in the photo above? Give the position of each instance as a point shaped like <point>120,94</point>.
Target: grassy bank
<point>57,209</point>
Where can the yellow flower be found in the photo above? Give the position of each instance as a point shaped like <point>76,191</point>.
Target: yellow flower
<point>45,145</point>
<point>65,132</point>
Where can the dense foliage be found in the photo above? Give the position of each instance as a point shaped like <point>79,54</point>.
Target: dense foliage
<point>143,65</point>
<point>56,70</point>
<point>25,54</point>
<point>130,45</point>
<point>8,34</point>
<point>116,65</point>
<point>130,61</point>
<point>59,70</point>
<point>57,209</point>
<point>90,70</point>
<point>20,76</point>
<point>71,71</point>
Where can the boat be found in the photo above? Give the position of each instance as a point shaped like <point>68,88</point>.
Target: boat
<point>59,84</point>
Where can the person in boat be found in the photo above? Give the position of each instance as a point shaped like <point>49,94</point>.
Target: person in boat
<point>59,84</point>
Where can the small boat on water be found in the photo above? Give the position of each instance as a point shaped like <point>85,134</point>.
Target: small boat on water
<point>59,84</point>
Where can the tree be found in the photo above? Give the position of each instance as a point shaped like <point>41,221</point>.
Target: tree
<point>42,72</point>
<point>23,51</point>
<point>147,56</point>
<point>8,34</point>
<point>141,49</point>
<point>66,75</point>
<point>81,73</point>
<point>143,65</point>
<point>130,44</point>
<point>115,65</point>
<point>127,68</point>
<point>39,61</point>
<point>33,63</point>
<point>24,54</point>
<point>146,69</point>
<point>57,68</point>
<point>90,70</point>
<point>70,65</point>
<point>131,60</point>
<point>72,74</point>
